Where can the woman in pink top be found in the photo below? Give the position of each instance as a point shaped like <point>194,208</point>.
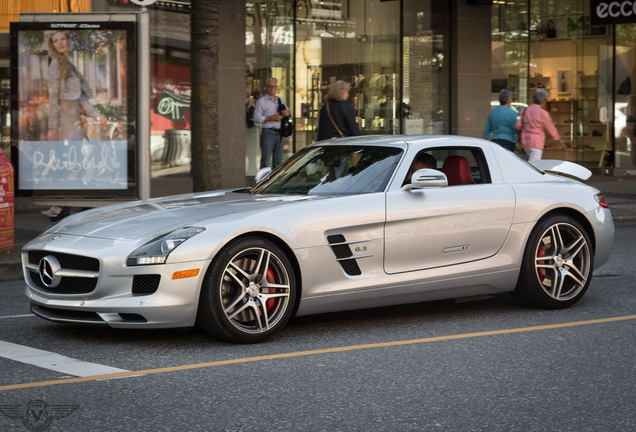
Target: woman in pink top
<point>534,123</point>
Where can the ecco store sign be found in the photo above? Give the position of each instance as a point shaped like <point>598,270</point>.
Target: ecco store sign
<point>606,12</point>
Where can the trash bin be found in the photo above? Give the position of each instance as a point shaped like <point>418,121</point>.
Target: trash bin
<point>177,147</point>
<point>7,221</point>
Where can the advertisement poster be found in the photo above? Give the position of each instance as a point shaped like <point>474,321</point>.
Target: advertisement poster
<point>73,92</point>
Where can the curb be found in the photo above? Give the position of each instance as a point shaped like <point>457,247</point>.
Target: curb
<point>623,221</point>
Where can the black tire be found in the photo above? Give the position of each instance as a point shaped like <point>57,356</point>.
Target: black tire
<point>249,292</point>
<point>557,264</point>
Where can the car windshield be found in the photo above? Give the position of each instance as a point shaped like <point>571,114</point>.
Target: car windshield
<point>333,169</point>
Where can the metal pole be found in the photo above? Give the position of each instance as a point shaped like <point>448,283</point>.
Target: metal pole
<point>143,104</point>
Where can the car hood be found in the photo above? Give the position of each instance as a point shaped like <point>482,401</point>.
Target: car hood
<point>568,169</point>
<point>149,218</point>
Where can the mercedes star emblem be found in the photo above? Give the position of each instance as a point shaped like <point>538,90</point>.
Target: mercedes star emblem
<point>49,266</point>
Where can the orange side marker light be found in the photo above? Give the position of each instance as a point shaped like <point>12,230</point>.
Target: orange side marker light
<point>185,274</point>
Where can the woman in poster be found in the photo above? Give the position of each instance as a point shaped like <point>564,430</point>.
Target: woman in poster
<point>68,92</point>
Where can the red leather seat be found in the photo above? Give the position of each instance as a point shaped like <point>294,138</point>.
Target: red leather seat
<point>457,170</point>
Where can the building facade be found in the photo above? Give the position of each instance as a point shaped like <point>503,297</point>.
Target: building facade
<point>415,67</point>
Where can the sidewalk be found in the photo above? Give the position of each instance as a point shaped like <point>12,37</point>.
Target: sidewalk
<point>620,193</point>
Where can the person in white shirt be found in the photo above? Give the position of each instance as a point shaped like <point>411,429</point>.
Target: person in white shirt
<point>267,113</point>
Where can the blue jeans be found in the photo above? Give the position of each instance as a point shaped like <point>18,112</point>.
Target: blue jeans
<point>271,142</point>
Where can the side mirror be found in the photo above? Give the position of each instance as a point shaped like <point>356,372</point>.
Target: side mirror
<point>262,173</point>
<point>426,177</point>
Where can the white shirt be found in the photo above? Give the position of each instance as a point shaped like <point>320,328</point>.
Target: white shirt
<point>266,107</point>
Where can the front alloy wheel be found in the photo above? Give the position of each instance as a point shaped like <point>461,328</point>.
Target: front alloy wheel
<point>249,293</point>
<point>557,264</point>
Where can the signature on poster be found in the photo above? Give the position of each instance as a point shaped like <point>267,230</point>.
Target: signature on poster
<point>59,165</point>
<point>71,163</point>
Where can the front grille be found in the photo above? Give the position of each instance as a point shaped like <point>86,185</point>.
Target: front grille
<point>145,284</point>
<point>67,261</point>
<point>68,285</point>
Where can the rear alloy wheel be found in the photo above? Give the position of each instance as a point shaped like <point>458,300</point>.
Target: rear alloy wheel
<point>557,265</point>
<point>249,293</point>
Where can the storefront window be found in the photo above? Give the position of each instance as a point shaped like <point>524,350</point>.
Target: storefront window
<point>307,45</point>
<point>170,93</point>
<point>269,47</point>
<point>572,60</point>
<point>625,96</point>
<point>552,45</point>
<point>510,52</point>
<point>425,63</point>
<point>393,54</point>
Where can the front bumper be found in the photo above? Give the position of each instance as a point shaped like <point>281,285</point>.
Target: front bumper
<point>94,286</point>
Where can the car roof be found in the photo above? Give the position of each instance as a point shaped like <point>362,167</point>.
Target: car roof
<point>401,140</point>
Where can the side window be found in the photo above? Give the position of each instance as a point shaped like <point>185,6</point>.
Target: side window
<point>462,165</point>
<point>424,159</point>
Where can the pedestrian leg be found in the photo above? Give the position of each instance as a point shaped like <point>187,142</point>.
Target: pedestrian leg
<point>268,141</point>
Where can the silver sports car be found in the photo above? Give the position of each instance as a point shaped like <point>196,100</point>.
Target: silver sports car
<point>346,224</point>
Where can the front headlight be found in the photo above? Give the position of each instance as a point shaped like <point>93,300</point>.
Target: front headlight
<point>156,251</point>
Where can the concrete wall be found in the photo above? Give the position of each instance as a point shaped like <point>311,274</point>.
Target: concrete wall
<point>471,64</point>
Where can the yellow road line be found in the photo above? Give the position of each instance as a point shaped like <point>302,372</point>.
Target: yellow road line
<point>311,352</point>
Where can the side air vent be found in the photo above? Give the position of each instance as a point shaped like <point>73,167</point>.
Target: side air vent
<point>336,238</point>
<point>145,284</point>
<point>343,254</point>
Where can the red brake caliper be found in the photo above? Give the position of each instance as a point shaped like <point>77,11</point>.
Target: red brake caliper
<point>541,271</point>
<point>271,279</point>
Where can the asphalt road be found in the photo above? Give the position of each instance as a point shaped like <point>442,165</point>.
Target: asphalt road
<point>486,365</point>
